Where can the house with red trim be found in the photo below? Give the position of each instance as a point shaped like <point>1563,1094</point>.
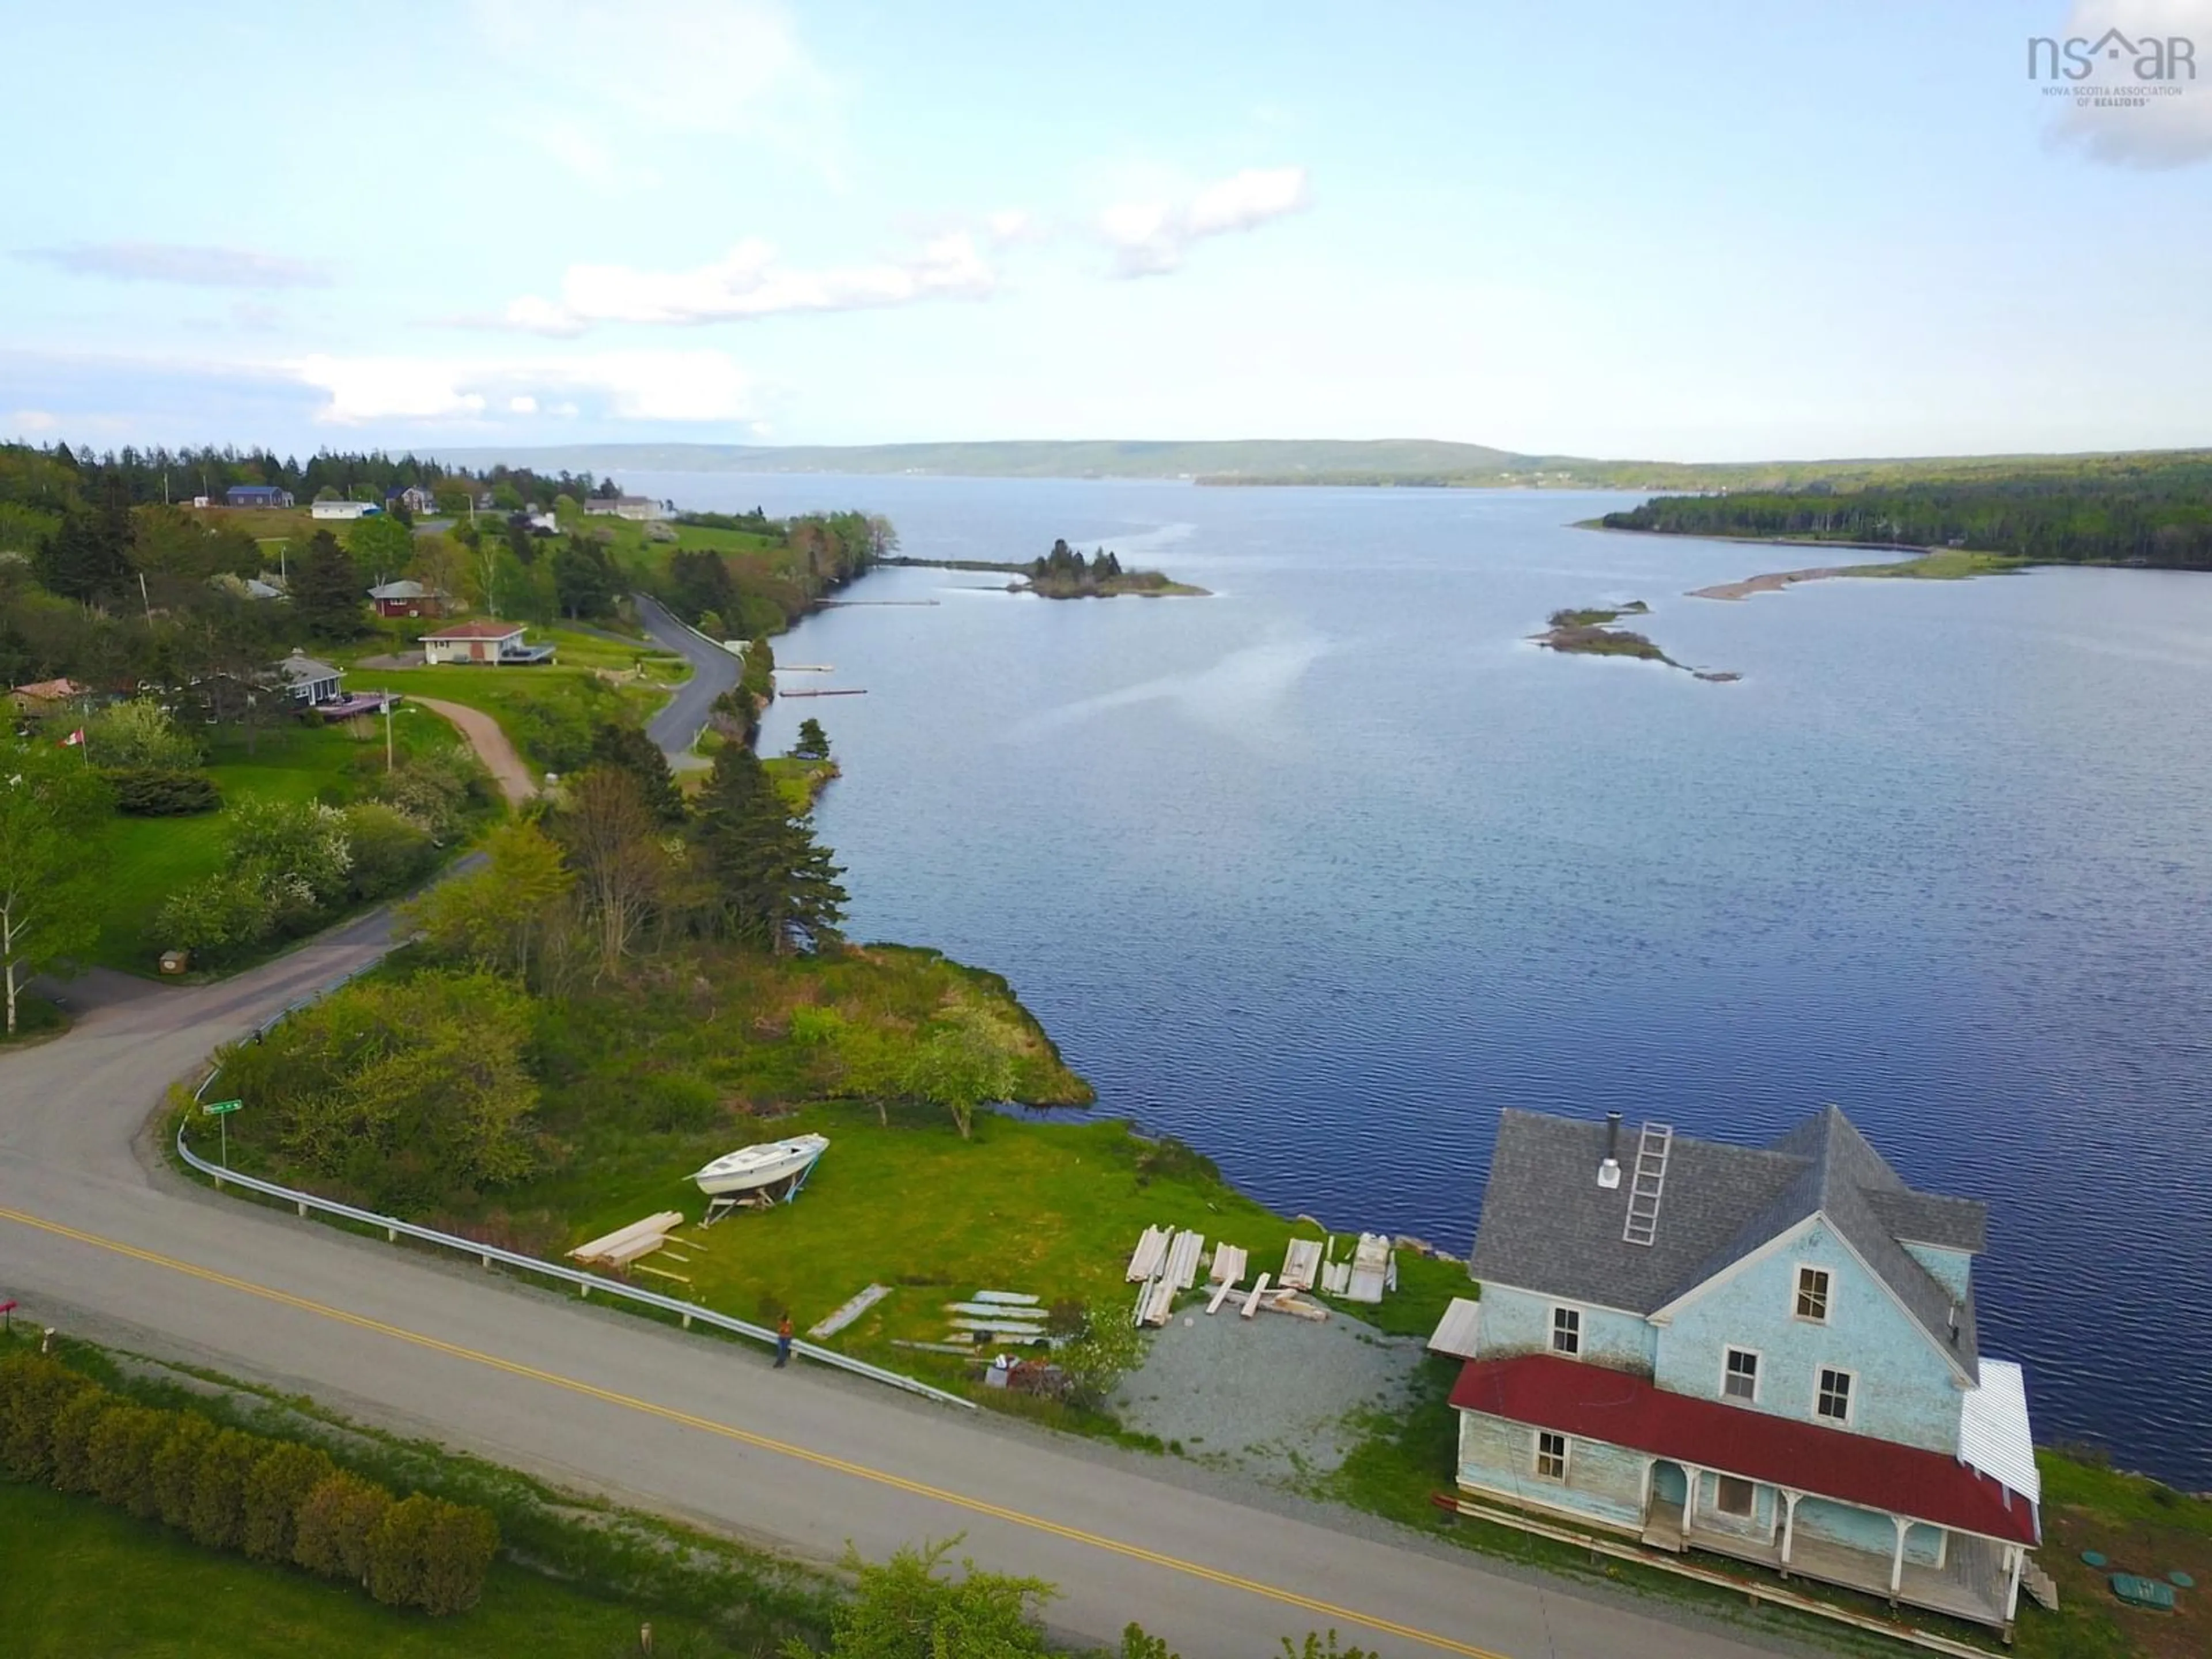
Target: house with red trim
<point>1764,1352</point>
<point>498,643</point>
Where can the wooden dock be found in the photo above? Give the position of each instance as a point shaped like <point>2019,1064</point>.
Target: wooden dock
<point>860,691</point>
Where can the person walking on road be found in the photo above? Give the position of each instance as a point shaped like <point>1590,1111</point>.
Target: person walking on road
<point>783,1341</point>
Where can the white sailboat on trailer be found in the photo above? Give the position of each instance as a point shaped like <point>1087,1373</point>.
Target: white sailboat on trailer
<point>751,1169</point>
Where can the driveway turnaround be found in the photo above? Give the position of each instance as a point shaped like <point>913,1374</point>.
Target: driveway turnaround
<point>713,670</point>
<point>492,747</point>
<point>95,1234</point>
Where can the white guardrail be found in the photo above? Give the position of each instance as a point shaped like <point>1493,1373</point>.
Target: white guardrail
<point>394,1229</point>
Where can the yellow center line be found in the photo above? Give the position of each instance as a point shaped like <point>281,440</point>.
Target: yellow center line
<point>785,1449</point>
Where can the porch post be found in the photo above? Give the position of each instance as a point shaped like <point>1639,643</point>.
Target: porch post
<point>2012,1587</point>
<point>1690,1473</point>
<point>1789,1525</point>
<point>1897,1561</point>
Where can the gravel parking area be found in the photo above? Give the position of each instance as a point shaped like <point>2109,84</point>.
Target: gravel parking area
<point>1270,1395</point>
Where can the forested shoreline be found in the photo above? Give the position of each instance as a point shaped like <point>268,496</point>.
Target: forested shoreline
<point>2155,513</point>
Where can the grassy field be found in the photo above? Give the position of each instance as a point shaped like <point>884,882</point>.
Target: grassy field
<point>547,712</point>
<point>1945,564</point>
<point>291,761</point>
<point>85,1579</point>
<point>800,780</point>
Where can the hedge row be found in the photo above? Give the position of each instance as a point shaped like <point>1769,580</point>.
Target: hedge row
<point>273,1500</point>
<point>157,792</point>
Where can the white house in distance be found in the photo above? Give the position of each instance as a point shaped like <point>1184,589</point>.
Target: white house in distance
<point>342,510</point>
<point>642,510</point>
<point>496,643</point>
<point>1765,1353</point>
<point>308,681</point>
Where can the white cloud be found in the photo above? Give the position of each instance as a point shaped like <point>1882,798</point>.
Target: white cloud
<point>633,385</point>
<point>749,282</point>
<point>2162,131</point>
<point>191,266</point>
<point>33,420</point>
<point>1152,237</point>
<point>723,67</point>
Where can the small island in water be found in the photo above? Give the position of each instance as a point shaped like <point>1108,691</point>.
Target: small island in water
<point>1586,633</point>
<point>1066,574</point>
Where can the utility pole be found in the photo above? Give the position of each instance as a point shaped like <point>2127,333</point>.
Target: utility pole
<point>145,599</point>
<point>387,730</point>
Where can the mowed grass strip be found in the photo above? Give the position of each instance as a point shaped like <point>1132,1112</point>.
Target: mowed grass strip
<point>85,1579</point>
<point>1049,1209</point>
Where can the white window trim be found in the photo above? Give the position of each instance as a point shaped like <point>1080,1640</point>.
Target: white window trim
<point>1551,1329</point>
<point>1758,1374</point>
<point>1566,1458</point>
<point>1827,1319</point>
<point>1850,1396</point>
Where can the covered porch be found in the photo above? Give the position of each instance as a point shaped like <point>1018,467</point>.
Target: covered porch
<point>1943,1570</point>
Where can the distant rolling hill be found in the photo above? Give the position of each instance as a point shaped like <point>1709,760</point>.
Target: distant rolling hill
<point>1384,462</point>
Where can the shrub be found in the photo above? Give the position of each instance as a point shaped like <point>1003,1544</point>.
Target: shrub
<point>177,1467</point>
<point>335,1524</point>
<point>33,1390</point>
<point>139,734</point>
<point>215,917</point>
<point>218,1511</point>
<point>274,1490</point>
<point>463,1541</point>
<point>399,1549</point>
<point>72,1437</point>
<point>151,792</point>
<point>120,1457</point>
<point>391,851</point>
<point>441,789</point>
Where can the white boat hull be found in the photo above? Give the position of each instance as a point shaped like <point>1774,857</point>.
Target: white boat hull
<point>752,1168</point>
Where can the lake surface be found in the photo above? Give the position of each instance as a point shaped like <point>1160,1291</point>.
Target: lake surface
<point>1320,873</point>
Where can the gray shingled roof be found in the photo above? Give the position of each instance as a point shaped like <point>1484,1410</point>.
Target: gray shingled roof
<point>1547,1226</point>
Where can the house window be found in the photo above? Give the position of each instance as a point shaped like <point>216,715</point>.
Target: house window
<point>1551,1457</point>
<point>1733,1496</point>
<point>1741,1380</point>
<point>1834,1400</point>
<point>1812,1294</point>
<point>1567,1330</point>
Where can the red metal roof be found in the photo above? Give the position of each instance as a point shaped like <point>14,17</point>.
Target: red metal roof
<point>476,630</point>
<point>1595,1403</point>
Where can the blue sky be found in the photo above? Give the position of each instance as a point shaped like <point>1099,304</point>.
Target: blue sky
<point>1697,231</point>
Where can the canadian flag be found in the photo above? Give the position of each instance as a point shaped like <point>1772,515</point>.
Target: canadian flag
<point>75,739</point>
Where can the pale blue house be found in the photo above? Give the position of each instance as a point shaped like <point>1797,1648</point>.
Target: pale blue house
<point>1766,1353</point>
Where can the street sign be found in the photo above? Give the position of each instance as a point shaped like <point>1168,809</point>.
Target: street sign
<point>217,1107</point>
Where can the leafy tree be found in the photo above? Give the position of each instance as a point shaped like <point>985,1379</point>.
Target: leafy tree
<point>52,860</point>
<point>140,733</point>
<point>960,1067</point>
<point>628,749</point>
<point>813,742</point>
<point>620,865</point>
<point>498,917</point>
<point>774,884</point>
<point>327,596</point>
<point>584,579</point>
<point>904,1609</point>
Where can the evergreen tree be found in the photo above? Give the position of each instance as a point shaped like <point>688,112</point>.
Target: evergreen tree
<point>813,742</point>
<point>628,749</point>
<point>774,884</point>
<point>584,579</point>
<point>88,558</point>
<point>326,593</point>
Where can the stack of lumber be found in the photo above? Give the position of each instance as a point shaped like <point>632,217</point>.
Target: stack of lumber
<point>626,1245</point>
<point>1371,1268</point>
<point>1156,1301</point>
<point>1181,1266</point>
<point>1006,1314</point>
<point>1335,1277</point>
<point>849,1312</point>
<point>1302,1263</point>
<point>1151,1251</point>
<point>1229,1262</point>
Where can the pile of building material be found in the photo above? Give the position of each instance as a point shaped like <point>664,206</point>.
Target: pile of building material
<point>1174,1262</point>
<point>625,1245</point>
<point>1373,1268</point>
<point>1150,1253</point>
<point>1281,1299</point>
<point>1008,1314</point>
<point>1302,1263</point>
<point>1229,1263</point>
<point>850,1311</point>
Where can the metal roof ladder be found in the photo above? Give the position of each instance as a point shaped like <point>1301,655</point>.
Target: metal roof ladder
<point>1645,1184</point>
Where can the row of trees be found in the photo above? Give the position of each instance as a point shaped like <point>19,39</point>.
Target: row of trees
<point>276,1501</point>
<point>751,592</point>
<point>2151,512</point>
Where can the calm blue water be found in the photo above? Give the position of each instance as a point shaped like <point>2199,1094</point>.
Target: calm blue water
<point>1321,872</point>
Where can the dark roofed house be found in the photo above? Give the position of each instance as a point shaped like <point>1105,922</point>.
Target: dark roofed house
<point>255,495</point>
<point>407,598</point>
<point>309,682</point>
<point>1768,1352</point>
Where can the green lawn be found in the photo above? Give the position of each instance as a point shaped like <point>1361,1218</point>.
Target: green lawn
<point>294,763</point>
<point>547,712</point>
<point>1051,1209</point>
<point>82,1578</point>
